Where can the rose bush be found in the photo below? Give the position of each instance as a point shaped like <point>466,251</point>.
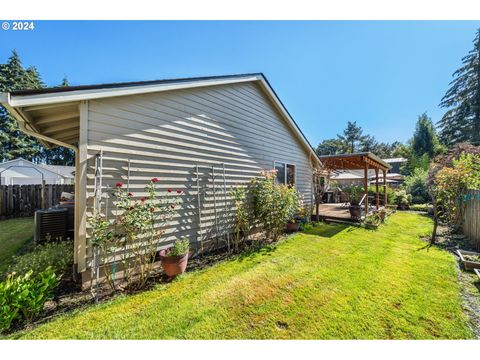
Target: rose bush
<point>136,232</point>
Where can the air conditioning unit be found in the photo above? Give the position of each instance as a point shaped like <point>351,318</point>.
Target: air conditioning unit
<point>50,225</point>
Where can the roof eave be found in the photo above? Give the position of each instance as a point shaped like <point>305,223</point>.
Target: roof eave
<point>89,94</point>
<point>19,100</point>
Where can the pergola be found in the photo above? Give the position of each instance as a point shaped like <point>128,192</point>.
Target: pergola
<point>360,161</point>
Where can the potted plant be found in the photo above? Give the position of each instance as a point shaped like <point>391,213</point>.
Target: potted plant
<point>354,208</point>
<point>294,224</point>
<point>297,212</point>
<point>174,259</point>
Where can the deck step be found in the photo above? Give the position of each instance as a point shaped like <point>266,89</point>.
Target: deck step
<point>329,219</point>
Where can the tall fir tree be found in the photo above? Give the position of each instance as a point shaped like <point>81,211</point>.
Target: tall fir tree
<point>425,139</point>
<point>352,136</point>
<point>14,143</point>
<point>461,123</point>
<point>331,147</point>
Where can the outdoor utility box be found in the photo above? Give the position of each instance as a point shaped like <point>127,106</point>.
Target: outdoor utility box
<point>70,206</point>
<point>50,225</point>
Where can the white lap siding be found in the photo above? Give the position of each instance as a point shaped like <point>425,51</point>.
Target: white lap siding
<point>166,134</point>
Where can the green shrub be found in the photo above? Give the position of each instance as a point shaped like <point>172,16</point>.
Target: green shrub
<point>56,255</point>
<point>421,207</point>
<point>306,226</point>
<point>390,192</point>
<point>354,192</point>
<point>274,205</point>
<point>242,213</point>
<point>402,199</point>
<point>416,185</point>
<point>22,297</point>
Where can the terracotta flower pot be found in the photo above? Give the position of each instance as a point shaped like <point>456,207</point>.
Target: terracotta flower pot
<point>355,212</point>
<point>173,265</point>
<point>295,226</point>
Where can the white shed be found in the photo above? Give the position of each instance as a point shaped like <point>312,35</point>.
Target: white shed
<point>24,172</point>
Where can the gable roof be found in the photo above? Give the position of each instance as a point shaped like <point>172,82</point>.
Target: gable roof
<point>19,101</point>
<point>63,171</point>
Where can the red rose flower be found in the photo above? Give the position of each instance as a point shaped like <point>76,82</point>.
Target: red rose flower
<point>130,194</point>
<point>119,184</point>
<point>155,180</point>
<point>143,199</point>
<point>152,209</point>
<point>169,190</point>
<point>179,191</point>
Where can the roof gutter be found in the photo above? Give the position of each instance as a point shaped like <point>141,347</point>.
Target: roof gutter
<point>23,120</point>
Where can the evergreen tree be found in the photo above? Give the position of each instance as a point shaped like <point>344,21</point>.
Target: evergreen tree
<point>352,136</point>
<point>368,144</point>
<point>331,147</point>
<point>64,82</point>
<point>353,140</point>
<point>384,150</point>
<point>461,123</point>
<point>14,143</point>
<point>425,140</point>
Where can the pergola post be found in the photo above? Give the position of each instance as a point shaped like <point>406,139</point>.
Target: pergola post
<point>385,187</point>
<point>377,195</point>
<point>365,184</point>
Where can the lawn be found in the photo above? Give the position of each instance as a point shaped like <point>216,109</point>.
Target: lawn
<point>336,282</point>
<point>14,234</point>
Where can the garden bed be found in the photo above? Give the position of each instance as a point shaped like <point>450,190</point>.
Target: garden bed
<point>469,259</point>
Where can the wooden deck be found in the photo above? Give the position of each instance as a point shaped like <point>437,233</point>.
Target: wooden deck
<point>335,212</point>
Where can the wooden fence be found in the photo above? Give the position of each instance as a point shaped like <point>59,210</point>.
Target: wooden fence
<point>471,223</point>
<point>23,200</point>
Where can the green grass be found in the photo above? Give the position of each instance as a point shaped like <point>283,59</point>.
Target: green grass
<point>14,234</point>
<point>336,282</point>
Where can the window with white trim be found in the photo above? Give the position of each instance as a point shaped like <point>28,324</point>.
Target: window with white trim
<point>286,173</point>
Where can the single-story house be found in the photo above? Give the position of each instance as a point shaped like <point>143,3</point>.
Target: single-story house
<point>395,164</point>
<point>23,172</point>
<point>185,132</point>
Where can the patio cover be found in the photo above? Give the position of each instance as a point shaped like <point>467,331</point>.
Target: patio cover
<point>359,161</point>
